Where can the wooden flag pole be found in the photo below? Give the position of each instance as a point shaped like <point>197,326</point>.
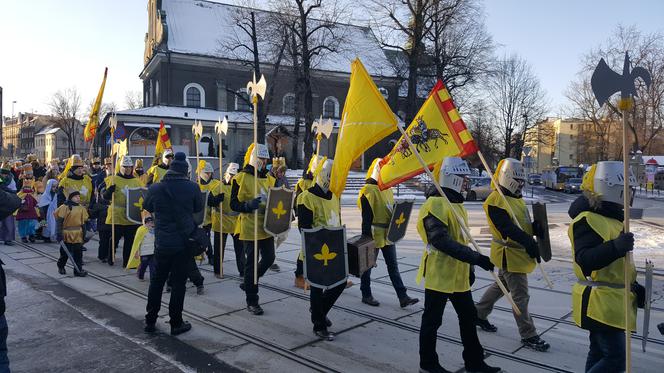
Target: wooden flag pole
<point>511,212</point>
<point>625,105</point>
<point>256,89</point>
<point>197,129</point>
<point>461,222</point>
<point>221,128</point>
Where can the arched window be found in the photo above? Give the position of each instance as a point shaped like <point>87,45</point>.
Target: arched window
<point>242,102</point>
<point>193,95</point>
<point>288,104</point>
<point>331,107</point>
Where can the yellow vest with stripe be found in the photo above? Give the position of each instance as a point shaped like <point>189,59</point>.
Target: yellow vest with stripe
<point>230,218</point>
<point>211,187</point>
<point>518,260</point>
<point>605,304</point>
<point>442,272</point>
<point>118,209</point>
<point>245,194</point>
<point>157,173</point>
<point>83,186</point>
<point>381,203</point>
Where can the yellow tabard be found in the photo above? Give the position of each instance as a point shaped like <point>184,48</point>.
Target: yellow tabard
<point>442,272</point>
<point>381,203</point>
<point>83,186</point>
<point>605,304</point>
<point>327,213</point>
<point>518,260</point>
<point>118,209</point>
<point>73,220</point>
<point>302,185</point>
<point>245,194</point>
<point>212,187</point>
<point>230,218</point>
<point>157,173</point>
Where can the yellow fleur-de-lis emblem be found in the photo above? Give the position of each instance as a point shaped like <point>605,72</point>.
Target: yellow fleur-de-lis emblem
<point>139,204</point>
<point>400,220</point>
<point>325,254</point>
<point>279,210</point>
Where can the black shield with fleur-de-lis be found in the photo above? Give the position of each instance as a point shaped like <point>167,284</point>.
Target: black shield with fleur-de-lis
<point>199,217</point>
<point>325,256</point>
<point>399,220</point>
<point>278,210</point>
<point>134,205</point>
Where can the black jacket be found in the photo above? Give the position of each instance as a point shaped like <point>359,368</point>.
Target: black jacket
<point>305,217</point>
<point>3,288</point>
<point>173,201</point>
<point>367,212</point>
<point>438,234</point>
<point>505,225</point>
<point>235,203</point>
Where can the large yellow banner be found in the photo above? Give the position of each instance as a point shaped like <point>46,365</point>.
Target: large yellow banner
<point>437,131</point>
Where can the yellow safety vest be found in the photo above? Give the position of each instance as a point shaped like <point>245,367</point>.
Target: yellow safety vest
<point>118,210</point>
<point>157,173</point>
<point>327,213</point>
<point>83,186</point>
<point>229,220</point>
<point>606,303</point>
<point>245,194</point>
<point>303,184</point>
<point>212,187</point>
<point>518,260</point>
<point>381,203</point>
<point>442,272</point>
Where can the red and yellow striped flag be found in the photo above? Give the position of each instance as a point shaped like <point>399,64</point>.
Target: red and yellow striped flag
<point>91,128</point>
<point>163,141</point>
<point>437,131</point>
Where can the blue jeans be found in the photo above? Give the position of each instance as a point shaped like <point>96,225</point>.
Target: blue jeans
<point>390,256</point>
<point>607,352</point>
<point>4,359</point>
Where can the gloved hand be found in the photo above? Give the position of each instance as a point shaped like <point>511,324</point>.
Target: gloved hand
<point>111,189</point>
<point>536,227</point>
<point>254,203</point>
<point>471,276</point>
<point>533,250</point>
<point>640,292</point>
<point>624,243</point>
<point>485,263</point>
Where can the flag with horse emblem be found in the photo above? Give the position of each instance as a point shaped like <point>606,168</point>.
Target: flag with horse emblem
<point>134,206</point>
<point>199,217</point>
<point>325,256</point>
<point>437,131</point>
<point>278,210</point>
<point>399,221</point>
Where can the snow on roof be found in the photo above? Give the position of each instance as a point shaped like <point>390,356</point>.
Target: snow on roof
<point>47,131</point>
<point>658,158</point>
<point>188,113</point>
<point>203,28</point>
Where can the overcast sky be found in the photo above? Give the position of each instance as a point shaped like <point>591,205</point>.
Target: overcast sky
<point>48,45</point>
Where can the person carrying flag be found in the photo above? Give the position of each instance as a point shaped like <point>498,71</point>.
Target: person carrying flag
<point>157,172</point>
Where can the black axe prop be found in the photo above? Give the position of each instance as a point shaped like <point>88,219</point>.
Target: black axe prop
<point>605,82</point>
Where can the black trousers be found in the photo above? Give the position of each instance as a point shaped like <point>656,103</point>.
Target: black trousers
<point>220,246</point>
<point>173,266</point>
<point>434,305</point>
<point>299,267</point>
<point>128,232</point>
<point>104,244</point>
<point>266,254</point>
<point>76,253</point>
<point>322,302</point>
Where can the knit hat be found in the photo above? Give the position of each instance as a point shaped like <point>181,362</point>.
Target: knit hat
<point>179,163</point>
<point>72,194</point>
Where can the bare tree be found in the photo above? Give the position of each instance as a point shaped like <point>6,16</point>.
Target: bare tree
<point>65,106</point>
<point>479,118</point>
<point>133,100</point>
<point>518,101</point>
<point>460,48</point>
<point>316,34</point>
<point>646,121</point>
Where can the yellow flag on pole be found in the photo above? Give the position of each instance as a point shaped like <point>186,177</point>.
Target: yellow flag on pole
<point>120,150</point>
<point>437,131</point>
<point>366,119</point>
<point>91,128</point>
<point>163,141</point>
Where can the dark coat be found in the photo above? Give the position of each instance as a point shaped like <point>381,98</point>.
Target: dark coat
<point>173,211</point>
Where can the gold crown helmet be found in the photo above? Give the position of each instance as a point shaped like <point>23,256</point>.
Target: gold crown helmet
<point>108,160</point>
<point>139,163</point>
<point>76,161</point>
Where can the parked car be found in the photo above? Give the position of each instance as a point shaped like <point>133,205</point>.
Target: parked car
<point>479,188</point>
<point>573,185</point>
<point>535,179</point>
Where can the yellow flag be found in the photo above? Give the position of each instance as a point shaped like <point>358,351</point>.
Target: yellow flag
<point>366,119</point>
<point>120,150</point>
<point>437,131</point>
<point>93,122</point>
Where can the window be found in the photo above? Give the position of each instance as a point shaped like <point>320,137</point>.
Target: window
<point>331,107</point>
<point>571,156</point>
<point>383,91</point>
<point>193,95</point>
<point>157,92</point>
<point>242,102</point>
<point>288,104</point>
